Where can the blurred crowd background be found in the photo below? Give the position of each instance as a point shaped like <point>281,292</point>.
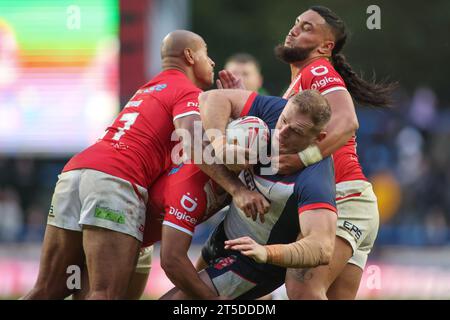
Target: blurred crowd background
<point>404,150</point>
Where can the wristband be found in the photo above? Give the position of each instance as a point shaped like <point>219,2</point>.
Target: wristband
<point>310,155</point>
<point>304,253</point>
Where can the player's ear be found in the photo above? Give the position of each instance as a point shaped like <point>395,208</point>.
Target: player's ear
<point>189,56</point>
<point>260,80</point>
<point>322,135</point>
<point>326,48</point>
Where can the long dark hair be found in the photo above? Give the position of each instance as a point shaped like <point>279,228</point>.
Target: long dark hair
<point>364,92</point>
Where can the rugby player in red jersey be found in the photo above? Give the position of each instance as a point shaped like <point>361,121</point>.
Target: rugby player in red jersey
<point>97,215</point>
<point>179,201</point>
<point>312,48</point>
<point>183,197</point>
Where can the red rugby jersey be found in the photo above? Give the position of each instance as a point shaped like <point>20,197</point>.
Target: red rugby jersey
<point>137,146</point>
<point>181,198</point>
<point>320,75</point>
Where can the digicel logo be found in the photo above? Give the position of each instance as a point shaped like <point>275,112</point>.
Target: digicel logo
<point>182,215</point>
<point>324,81</point>
<point>192,104</point>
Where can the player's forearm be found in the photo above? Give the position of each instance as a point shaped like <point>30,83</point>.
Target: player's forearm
<point>305,253</point>
<point>227,179</point>
<point>338,134</point>
<point>339,131</point>
<point>343,123</point>
<point>184,276</point>
<point>215,112</point>
<point>223,177</point>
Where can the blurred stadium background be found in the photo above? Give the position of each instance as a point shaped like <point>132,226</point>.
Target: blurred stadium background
<point>66,67</point>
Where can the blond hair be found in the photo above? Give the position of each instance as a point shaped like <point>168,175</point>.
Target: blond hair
<point>312,104</point>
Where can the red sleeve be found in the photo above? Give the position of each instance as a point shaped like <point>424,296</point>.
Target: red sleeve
<point>315,206</point>
<point>322,77</point>
<point>186,105</point>
<point>248,104</point>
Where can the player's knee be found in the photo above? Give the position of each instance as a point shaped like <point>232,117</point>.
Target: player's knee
<point>307,294</point>
<point>169,266</point>
<point>305,290</point>
<point>170,262</point>
<point>343,291</point>
<point>106,294</point>
<point>342,294</point>
<point>41,292</point>
<point>36,294</point>
<point>98,295</point>
<point>107,290</point>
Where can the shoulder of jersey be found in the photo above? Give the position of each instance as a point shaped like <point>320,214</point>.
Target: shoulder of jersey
<point>320,67</point>
<point>321,74</point>
<point>180,81</point>
<point>168,84</point>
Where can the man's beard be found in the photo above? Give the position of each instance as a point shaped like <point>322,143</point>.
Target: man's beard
<point>291,55</point>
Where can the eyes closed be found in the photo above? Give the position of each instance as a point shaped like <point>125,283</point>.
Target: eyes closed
<point>305,26</point>
<point>295,130</point>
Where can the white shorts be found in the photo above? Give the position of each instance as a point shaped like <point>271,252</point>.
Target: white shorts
<point>358,218</point>
<point>144,263</point>
<point>90,197</point>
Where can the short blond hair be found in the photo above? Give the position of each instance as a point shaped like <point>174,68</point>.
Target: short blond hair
<point>311,103</point>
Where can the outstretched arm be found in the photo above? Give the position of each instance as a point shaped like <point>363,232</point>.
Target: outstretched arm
<point>179,268</point>
<point>313,249</point>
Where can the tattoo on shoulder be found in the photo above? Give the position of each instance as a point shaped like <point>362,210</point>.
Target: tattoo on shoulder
<point>301,275</point>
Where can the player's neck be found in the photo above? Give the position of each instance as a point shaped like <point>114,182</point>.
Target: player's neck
<point>296,67</point>
<point>188,72</point>
<point>173,66</point>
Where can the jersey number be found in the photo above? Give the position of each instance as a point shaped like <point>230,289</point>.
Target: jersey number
<point>129,119</point>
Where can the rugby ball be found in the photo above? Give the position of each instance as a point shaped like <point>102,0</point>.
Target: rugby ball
<point>249,132</point>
